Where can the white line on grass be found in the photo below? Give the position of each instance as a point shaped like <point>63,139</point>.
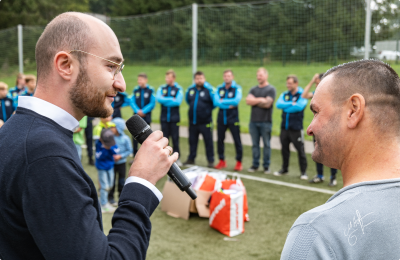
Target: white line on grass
<point>282,183</point>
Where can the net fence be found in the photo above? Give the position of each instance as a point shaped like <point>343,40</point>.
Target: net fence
<point>258,33</point>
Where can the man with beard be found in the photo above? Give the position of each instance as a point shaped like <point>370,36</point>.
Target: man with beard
<point>49,207</point>
<point>356,126</point>
<point>199,97</point>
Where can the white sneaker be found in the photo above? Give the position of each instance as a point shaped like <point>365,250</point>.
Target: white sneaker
<point>108,208</point>
<point>304,177</point>
<point>179,163</point>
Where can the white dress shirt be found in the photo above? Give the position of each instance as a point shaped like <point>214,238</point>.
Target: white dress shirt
<point>67,121</point>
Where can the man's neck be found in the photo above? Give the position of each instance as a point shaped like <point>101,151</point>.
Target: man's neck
<point>294,91</point>
<point>58,99</point>
<point>170,85</point>
<point>228,85</point>
<point>143,86</point>
<point>263,84</point>
<point>371,161</point>
<point>20,87</point>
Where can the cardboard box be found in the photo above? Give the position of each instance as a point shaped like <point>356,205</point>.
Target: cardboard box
<point>179,205</point>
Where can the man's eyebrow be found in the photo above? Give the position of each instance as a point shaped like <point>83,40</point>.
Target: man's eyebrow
<point>115,59</point>
<point>312,107</point>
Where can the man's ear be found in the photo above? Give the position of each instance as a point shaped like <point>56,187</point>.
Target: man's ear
<point>64,65</point>
<point>355,110</point>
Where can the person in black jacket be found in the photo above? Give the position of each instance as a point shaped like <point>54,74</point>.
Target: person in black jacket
<point>49,208</point>
<point>199,97</point>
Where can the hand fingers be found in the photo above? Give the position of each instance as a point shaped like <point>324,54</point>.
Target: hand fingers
<point>168,150</point>
<point>155,136</point>
<point>173,158</point>
<point>163,142</point>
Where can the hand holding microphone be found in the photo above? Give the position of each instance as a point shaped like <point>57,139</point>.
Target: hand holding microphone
<point>152,160</point>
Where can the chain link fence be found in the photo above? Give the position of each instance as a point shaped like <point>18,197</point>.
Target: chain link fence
<point>260,33</point>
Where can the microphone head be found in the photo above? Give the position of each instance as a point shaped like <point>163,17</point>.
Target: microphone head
<point>136,124</point>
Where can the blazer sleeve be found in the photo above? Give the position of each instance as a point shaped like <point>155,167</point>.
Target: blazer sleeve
<point>73,230</point>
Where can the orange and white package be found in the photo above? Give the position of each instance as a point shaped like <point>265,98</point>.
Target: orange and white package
<point>226,212</point>
<point>238,185</point>
<point>205,182</point>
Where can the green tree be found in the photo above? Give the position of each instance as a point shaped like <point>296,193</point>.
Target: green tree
<point>36,12</point>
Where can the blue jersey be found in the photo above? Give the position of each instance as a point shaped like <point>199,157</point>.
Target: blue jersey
<point>120,100</point>
<point>224,99</point>
<point>143,99</point>
<point>15,92</point>
<point>170,98</point>
<point>292,114</point>
<point>200,103</point>
<point>6,108</point>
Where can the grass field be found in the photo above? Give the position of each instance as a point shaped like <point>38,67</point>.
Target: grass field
<point>244,76</point>
<point>272,208</point>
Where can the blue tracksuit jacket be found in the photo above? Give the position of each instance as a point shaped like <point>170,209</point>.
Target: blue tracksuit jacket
<point>120,100</point>
<point>170,98</point>
<point>292,115</point>
<point>224,98</point>
<point>6,108</point>
<point>201,103</point>
<point>143,99</point>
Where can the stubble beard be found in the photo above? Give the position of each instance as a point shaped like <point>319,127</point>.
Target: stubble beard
<point>87,97</point>
<point>327,143</point>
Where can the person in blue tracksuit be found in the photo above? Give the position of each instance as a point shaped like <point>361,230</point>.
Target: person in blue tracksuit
<point>142,102</point>
<point>170,96</point>
<point>227,98</point>
<point>30,82</point>
<point>120,100</point>
<point>6,103</point>
<point>292,105</point>
<point>19,88</point>
<point>199,97</point>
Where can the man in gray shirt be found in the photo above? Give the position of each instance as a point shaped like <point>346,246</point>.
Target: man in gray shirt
<point>261,99</point>
<point>356,127</point>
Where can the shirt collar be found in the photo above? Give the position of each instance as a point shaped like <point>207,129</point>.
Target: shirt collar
<point>49,110</point>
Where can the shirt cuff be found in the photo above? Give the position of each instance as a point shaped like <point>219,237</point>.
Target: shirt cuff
<point>147,184</point>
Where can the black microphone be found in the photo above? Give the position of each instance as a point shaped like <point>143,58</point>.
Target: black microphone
<point>140,130</point>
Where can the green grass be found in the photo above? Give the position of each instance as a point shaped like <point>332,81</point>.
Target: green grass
<point>272,209</point>
<point>244,76</point>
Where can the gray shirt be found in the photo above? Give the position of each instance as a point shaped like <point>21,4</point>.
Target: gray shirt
<point>259,114</point>
<point>361,221</point>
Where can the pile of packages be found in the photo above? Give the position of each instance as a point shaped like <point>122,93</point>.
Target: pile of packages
<point>222,200</point>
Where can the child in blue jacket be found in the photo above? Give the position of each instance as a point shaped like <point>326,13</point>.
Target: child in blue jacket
<point>106,149</point>
<point>125,149</point>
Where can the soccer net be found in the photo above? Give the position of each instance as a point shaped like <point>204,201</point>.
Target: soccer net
<point>257,33</point>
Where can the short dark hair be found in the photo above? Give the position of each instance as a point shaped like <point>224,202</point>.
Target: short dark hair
<point>293,77</point>
<point>377,82</point>
<point>198,73</point>
<point>142,75</point>
<point>321,75</point>
<point>66,32</point>
<point>228,70</point>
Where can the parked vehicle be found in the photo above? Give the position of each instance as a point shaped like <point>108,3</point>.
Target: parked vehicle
<point>389,55</point>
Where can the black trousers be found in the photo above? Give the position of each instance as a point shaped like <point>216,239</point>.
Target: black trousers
<point>295,137</point>
<point>171,130</point>
<point>235,131</point>
<point>120,170</point>
<point>206,131</point>
<point>89,137</point>
<point>320,169</point>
